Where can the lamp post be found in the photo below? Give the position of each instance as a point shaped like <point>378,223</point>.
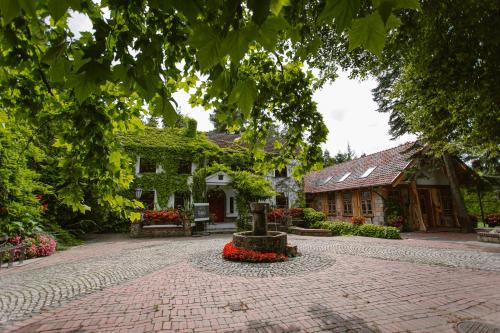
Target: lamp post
<point>138,193</point>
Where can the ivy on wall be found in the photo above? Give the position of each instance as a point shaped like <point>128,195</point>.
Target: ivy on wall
<point>168,147</point>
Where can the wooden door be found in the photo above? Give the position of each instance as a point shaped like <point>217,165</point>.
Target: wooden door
<point>426,208</point>
<point>217,205</point>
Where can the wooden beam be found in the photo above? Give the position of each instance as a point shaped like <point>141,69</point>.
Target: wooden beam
<point>415,210</point>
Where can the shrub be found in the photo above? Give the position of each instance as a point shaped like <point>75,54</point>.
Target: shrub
<point>341,228</point>
<point>167,216</point>
<point>275,214</point>
<point>358,220</point>
<point>234,253</point>
<point>296,212</point>
<point>38,246</point>
<point>493,219</point>
<point>312,216</point>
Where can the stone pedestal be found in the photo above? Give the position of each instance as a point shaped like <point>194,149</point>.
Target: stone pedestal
<point>274,241</point>
<point>259,211</point>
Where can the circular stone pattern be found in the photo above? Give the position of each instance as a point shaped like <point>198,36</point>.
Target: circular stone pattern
<point>275,241</point>
<point>213,262</point>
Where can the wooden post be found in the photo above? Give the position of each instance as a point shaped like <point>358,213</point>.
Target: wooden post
<point>415,209</point>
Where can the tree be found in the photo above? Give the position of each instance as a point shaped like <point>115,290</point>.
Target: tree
<point>82,90</point>
<point>340,157</point>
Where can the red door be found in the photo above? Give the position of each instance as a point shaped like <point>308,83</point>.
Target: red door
<point>216,205</point>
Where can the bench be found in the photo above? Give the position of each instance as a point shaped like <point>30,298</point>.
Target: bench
<point>10,252</point>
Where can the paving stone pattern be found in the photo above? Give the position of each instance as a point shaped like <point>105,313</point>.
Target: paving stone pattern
<point>164,287</point>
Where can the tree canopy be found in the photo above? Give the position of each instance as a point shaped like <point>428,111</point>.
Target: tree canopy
<point>76,92</point>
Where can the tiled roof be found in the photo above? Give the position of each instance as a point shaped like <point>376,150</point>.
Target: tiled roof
<point>225,140</point>
<point>388,165</point>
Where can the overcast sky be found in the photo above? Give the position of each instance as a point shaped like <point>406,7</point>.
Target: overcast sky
<point>347,107</point>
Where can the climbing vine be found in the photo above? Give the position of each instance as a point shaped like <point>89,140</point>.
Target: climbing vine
<point>168,148</point>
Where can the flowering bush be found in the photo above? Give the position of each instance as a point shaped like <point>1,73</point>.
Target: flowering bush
<point>275,214</point>
<point>493,219</point>
<point>358,220</point>
<point>296,212</point>
<point>233,253</point>
<point>166,216</point>
<point>397,221</point>
<point>38,246</point>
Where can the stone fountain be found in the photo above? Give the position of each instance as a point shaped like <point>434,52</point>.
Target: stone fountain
<point>259,239</point>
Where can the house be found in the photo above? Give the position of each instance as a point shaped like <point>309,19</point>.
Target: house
<point>397,181</point>
<point>167,162</point>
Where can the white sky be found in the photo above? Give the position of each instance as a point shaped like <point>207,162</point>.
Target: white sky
<point>347,107</point>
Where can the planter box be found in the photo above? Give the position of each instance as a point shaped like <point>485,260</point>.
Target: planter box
<point>309,232</point>
<point>160,230</point>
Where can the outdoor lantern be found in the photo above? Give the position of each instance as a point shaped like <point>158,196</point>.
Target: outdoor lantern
<point>138,193</point>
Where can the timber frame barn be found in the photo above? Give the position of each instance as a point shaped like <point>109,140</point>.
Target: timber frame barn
<point>403,176</point>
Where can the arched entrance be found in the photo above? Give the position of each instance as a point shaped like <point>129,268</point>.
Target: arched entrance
<point>217,204</point>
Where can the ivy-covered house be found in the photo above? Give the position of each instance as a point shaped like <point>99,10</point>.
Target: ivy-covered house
<point>395,183</point>
<point>175,167</point>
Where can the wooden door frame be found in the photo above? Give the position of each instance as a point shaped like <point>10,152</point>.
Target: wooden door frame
<point>431,223</point>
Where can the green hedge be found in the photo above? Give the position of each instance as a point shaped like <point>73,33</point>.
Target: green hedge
<point>313,217</point>
<point>340,228</point>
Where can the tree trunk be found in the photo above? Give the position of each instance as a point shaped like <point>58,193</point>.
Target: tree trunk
<point>458,201</point>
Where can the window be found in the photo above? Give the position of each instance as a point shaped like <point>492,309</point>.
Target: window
<point>447,202</point>
<point>332,209</point>
<point>180,199</point>
<point>366,203</point>
<point>281,173</point>
<point>347,200</point>
<point>344,177</point>
<point>309,200</point>
<point>148,199</point>
<point>367,172</point>
<point>281,201</point>
<point>221,177</point>
<point>184,167</point>
<point>325,181</point>
<point>146,166</point>
<point>231,205</point>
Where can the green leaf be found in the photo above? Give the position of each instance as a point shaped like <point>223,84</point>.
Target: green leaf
<point>10,9</point>
<point>244,94</point>
<point>260,9</point>
<point>29,7</point>
<point>115,160</point>
<point>277,5</point>
<point>368,32</point>
<point>392,22</point>
<point>57,8</point>
<point>409,4</point>
<point>54,52</point>
<point>162,107</point>
<point>269,31</point>
<point>208,44</point>
<point>237,41</point>
<point>342,10</point>
<point>82,86</point>
<point>59,70</point>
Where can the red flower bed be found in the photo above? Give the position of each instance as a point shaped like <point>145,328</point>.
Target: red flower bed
<point>296,212</point>
<point>38,246</point>
<point>276,214</point>
<point>358,220</point>
<point>493,219</point>
<point>166,216</point>
<point>233,253</point>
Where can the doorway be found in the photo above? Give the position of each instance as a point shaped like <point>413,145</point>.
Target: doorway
<point>217,204</point>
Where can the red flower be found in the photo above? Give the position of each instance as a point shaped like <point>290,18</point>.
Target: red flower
<point>40,197</point>
<point>275,213</point>
<point>358,220</point>
<point>296,212</point>
<point>233,253</point>
<point>44,206</point>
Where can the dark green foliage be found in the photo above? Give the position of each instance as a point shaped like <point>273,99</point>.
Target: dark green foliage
<point>341,228</point>
<point>312,216</point>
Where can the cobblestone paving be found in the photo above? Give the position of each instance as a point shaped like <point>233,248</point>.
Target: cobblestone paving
<point>166,286</point>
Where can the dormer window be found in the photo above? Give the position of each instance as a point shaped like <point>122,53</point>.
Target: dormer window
<point>325,181</point>
<point>221,177</point>
<point>344,177</point>
<point>368,172</point>
<point>146,165</point>
<point>281,173</point>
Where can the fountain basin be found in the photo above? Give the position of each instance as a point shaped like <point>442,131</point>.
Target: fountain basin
<point>273,241</point>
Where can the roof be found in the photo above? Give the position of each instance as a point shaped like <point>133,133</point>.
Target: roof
<point>388,166</point>
<point>225,140</point>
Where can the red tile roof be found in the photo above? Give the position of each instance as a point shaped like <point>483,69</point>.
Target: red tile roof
<point>389,164</point>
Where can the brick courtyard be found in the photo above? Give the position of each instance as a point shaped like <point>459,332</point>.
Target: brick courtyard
<point>428,283</point>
